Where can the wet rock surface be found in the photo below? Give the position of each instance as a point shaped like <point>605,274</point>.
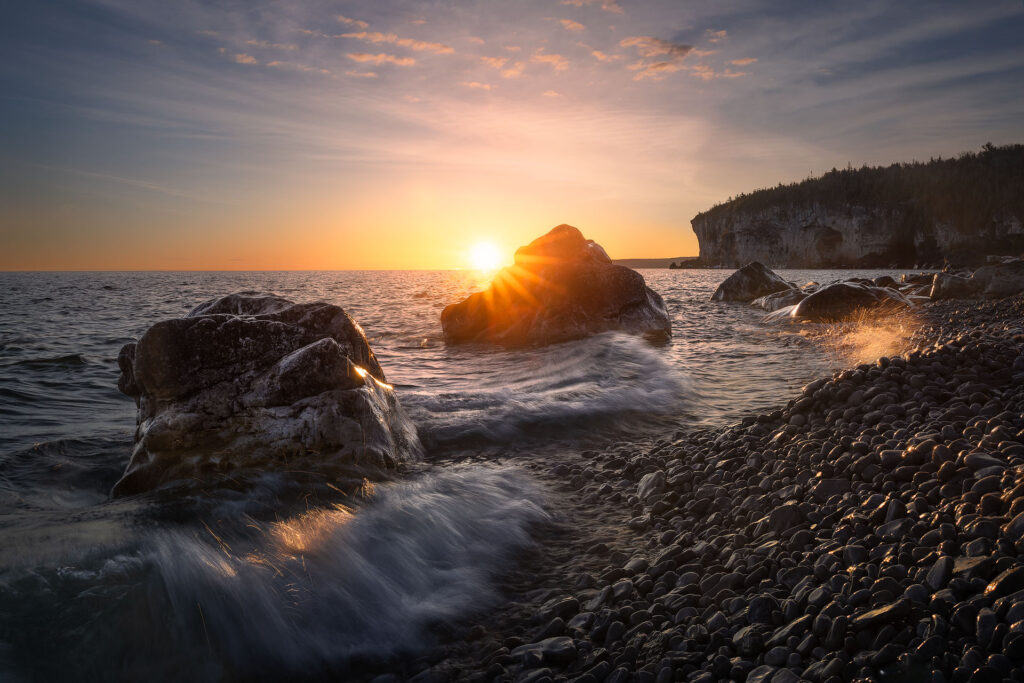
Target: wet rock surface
<point>562,286</point>
<point>750,282</point>
<point>875,538</point>
<point>251,382</point>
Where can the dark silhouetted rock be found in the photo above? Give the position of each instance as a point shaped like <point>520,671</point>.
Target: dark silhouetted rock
<point>848,300</point>
<point>252,382</point>
<point>562,286</point>
<point>750,282</point>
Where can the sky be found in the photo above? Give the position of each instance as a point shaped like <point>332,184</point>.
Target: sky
<point>305,134</point>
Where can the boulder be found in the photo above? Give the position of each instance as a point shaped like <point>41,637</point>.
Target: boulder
<point>848,300</point>
<point>999,280</point>
<point>946,286</point>
<point>750,282</point>
<point>250,382</point>
<point>773,302</point>
<point>562,286</point>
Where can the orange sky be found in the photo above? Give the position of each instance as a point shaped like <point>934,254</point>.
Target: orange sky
<point>395,135</point>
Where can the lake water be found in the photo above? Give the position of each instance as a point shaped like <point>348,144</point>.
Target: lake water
<point>281,582</point>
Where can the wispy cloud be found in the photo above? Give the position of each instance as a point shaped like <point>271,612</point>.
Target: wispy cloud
<point>381,58</point>
<point>514,71</point>
<point>476,85</point>
<point>598,54</point>
<point>494,62</point>
<point>513,48</point>
<point>744,61</point>
<point>649,46</point>
<point>707,73</point>
<point>571,25</point>
<point>715,36</point>
<point>353,22</point>
<point>606,5</point>
<point>659,57</point>
<point>551,93</point>
<point>555,61</point>
<point>361,74</point>
<point>268,44</point>
<point>242,58</point>
<point>393,39</point>
<point>297,66</point>
<point>412,98</point>
<point>476,40</point>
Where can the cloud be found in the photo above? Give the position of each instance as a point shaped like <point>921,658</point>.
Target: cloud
<point>557,62</point>
<point>381,59</point>
<point>353,22</point>
<point>268,44</point>
<point>654,71</point>
<point>715,36</point>
<point>476,41</point>
<point>392,39</point>
<point>494,62</point>
<point>707,73</point>
<point>659,57</point>
<point>598,55</point>
<point>242,58</point>
<point>649,46</point>
<point>514,71</point>
<point>551,93</point>
<point>154,41</point>
<point>606,5</point>
<point>298,67</point>
<point>417,22</point>
<point>476,85</point>
<point>571,25</point>
<point>412,98</point>
<point>744,61</point>
<point>361,74</point>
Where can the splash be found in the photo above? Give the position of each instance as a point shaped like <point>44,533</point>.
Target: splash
<point>866,338</point>
<point>311,592</point>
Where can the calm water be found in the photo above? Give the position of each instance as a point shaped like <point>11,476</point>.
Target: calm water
<point>97,589</point>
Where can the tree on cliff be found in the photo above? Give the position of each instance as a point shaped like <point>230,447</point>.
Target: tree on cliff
<point>969,191</point>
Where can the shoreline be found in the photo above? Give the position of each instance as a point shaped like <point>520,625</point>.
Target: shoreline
<point>857,533</point>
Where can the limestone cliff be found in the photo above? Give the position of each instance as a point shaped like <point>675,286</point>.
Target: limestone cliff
<point>906,214</point>
<point>814,235</point>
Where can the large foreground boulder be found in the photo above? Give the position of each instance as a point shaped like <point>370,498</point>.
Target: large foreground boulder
<point>251,382</point>
<point>562,286</point>
<point>843,301</point>
<point>750,282</point>
<point>999,280</point>
<point>947,286</point>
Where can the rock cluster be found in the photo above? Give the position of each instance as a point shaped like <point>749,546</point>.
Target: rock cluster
<point>562,286</point>
<point>250,382</point>
<point>869,530</point>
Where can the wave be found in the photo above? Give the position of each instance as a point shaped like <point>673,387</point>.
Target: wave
<point>608,380</point>
<point>329,585</point>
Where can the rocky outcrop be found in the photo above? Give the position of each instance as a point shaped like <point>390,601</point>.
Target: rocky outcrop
<point>813,235</point>
<point>251,382</point>
<point>561,287</point>
<point>750,282</point>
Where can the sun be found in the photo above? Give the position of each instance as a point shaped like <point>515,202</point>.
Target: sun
<point>484,256</point>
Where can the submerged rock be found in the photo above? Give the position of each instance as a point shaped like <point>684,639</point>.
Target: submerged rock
<point>253,381</point>
<point>562,286</point>
<point>750,282</point>
<point>847,300</point>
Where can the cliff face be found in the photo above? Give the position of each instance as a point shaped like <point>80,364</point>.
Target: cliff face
<point>814,235</point>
